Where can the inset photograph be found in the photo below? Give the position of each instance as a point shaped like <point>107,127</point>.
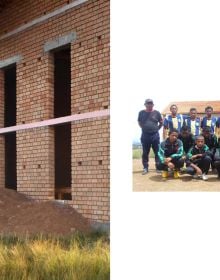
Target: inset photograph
<point>179,147</point>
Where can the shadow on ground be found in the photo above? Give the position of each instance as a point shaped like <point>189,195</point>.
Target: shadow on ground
<point>154,181</point>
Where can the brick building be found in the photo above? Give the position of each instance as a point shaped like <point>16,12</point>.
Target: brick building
<point>54,102</point>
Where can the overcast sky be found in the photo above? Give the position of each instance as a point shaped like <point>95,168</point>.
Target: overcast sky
<point>171,51</point>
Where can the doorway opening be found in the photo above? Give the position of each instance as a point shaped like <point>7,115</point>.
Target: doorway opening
<point>62,107</point>
<point>10,120</point>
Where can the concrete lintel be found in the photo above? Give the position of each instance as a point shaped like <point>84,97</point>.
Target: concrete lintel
<point>42,19</point>
<point>10,60</point>
<point>59,42</point>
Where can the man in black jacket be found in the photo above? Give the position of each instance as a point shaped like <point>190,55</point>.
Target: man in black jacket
<point>150,122</point>
<point>198,159</point>
<point>187,138</point>
<point>211,141</point>
<point>170,155</point>
<point>217,158</point>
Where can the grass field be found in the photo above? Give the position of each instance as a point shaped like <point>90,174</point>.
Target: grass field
<point>55,258</point>
<point>137,153</point>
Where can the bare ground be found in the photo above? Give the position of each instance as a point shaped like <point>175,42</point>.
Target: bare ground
<point>153,181</point>
<point>21,215</point>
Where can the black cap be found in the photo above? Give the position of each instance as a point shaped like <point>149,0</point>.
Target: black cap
<point>148,101</point>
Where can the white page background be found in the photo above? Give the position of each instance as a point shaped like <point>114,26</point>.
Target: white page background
<point>165,50</point>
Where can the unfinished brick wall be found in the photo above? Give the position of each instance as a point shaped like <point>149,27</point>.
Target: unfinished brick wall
<point>89,92</point>
<point>25,11</point>
<point>35,161</point>
<point>34,87</point>
<point>90,176</point>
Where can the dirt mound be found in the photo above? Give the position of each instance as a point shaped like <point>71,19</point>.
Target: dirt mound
<point>21,215</point>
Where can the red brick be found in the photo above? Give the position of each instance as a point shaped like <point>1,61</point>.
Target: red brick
<point>89,92</point>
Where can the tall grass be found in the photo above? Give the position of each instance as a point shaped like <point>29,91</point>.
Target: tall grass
<point>52,258</point>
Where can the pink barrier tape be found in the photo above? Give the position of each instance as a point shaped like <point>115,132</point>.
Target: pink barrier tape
<point>72,118</point>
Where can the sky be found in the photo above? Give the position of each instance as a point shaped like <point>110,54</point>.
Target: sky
<point>174,50</point>
<point>164,50</point>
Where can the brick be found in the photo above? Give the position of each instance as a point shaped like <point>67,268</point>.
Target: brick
<point>90,85</point>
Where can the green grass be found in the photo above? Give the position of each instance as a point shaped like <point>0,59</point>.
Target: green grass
<point>137,153</point>
<point>44,257</point>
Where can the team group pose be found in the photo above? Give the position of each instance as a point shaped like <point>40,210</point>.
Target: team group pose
<point>190,144</point>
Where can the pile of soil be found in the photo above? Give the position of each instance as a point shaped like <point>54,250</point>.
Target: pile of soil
<point>21,215</point>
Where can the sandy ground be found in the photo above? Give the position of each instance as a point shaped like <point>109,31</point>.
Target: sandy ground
<point>154,182</point>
